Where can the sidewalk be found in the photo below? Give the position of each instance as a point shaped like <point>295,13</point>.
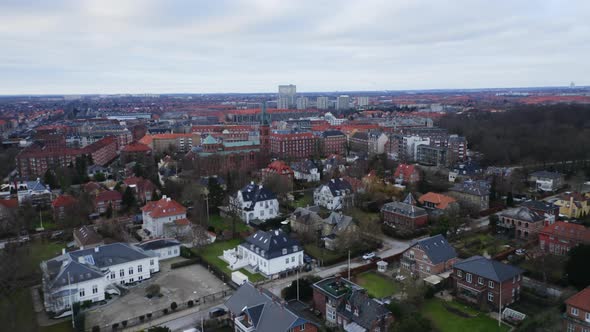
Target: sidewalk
<point>174,316</point>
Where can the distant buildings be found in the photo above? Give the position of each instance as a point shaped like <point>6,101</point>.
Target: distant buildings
<point>322,103</point>
<point>254,202</point>
<point>302,103</point>
<point>333,142</point>
<point>480,281</point>
<point>362,101</point>
<point>161,143</point>
<point>546,181</point>
<point>343,102</point>
<point>293,144</point>
<point>559,238</point>
<point>286,97</point>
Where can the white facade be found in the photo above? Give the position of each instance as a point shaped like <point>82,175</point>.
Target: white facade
<point>312,176</point>
<point>160,217</point>
<point>322,196</point>
<point>343,102</point>
<point>362,101</point>
<point>89,290</point>
<point>134,271</point>
<point>322,103</point>
<point>411,144</point>
<point>332,120</point>
<point>248,210</point>
<point>167,253</point>
<point>273,265</point>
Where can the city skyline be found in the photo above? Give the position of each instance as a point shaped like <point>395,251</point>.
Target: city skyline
<point>108,47</point>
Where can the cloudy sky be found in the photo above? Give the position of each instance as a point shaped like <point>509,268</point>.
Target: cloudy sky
<point>205,46</point>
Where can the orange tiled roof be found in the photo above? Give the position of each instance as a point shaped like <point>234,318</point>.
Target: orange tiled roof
<point>580,300</point>
<point>9,203</point>
<point>569,230</point>
<point>136,147</point>
<point>441,201</point>
<point>163,208</point>
<point>63,201</point>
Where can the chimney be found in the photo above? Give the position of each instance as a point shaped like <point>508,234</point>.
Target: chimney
<point>81,260</point>
<point>96,249</point>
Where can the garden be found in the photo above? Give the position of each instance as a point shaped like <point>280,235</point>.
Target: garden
<point>221,224</point>
<point>211,253</point>
<point>453,316</point>
<point>480,244</point>
<point>377,285</point>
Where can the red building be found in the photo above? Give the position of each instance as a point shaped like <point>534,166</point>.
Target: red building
<point>486,282</point>
<point>278,170</point>
<point>577,314</point>
<point>404,216</point>
<point>406,173</point>
<point>219,158</point>
<point>61,205</point>
<point>560,237</point>
<point>333,142</point>
<point>107,198</point>
<point>288,144</point>
<point>102,151</point>
<point>135,152</point>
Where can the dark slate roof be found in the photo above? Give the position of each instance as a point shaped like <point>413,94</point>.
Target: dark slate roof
<point>58,270</point>
<point>479,188</point>
<point>362,135</point>
<point>87,235</point>
<point>541,206</point>
<point>329,133</point>
<point>255,193</point>
<point>272,242</point>
<point>404,209</point>
<point>110,254</point>
<point>338,186</point>
<point>267,313</point>
<point>305,166</point>
<point>158,244</point>
<point>546,175</point>
<point>523,213</point>
<point>369,310</point>
<point>437,248</point>
<point>488,268</point>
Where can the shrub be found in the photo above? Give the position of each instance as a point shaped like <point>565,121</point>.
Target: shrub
<point>141,318</point>
<point>165,311</point>
<point>96,328</point>
<point>186,252</point>
<point>152,290</point>
<point>173,306</point>
<point>190,303</point>
<point>430,291</point>
<point>124,323</point>
<point>185,263</point>
<point>115,326</point>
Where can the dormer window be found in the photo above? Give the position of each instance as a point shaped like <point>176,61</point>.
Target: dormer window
<point>295,248</point>
<point>284,251</point>
<point>356,312</point>
<point>348,308</point>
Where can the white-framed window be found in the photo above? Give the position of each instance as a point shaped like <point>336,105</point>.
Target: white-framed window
<point>82,292</point>
<point>139,268</point>
<point>588,316</point>
<point>284,251</point>
<point>491,284</point>
<point>468,277</point>
<point>302,327</point>
<point>292,259</point>
<point>140,278</point>
<point>287,260</point>
<point>151,262</point>
<point>131,270</point>
<point>459,274</point>
<point>574,311</point>
<point>94,289</point>
<point>571,327</point>
<point>121,273</point>
<point>490,296</point>
<point>112,275</point>
<point>480,280</point>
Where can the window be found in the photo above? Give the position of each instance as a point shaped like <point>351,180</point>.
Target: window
<point>348,307</point>
<point>140,278</point>
<point>459,274</point>
<point>94,289</point>
<point>491,284</point>
<point>139,268</point>
<point>571,328</point>
<point>588,316</point>
<point>131,270</point>
<point>302,327</point>
<point>112,275</point>
<point>480,280</point>
<point>468,277</point>
<point>284,251</point>
<point>82,292</point>
<point>574,311</point>
<point>121,273</point>
<point>292,259</point>
<point>490,297</point>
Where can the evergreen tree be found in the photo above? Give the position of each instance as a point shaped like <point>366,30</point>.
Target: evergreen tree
<point>216,194</point>
<point>50,179</point>
<point>128,198</point>
<point>509,199</point>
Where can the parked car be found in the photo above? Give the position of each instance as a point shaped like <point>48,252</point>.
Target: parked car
<point>400,277</point>
<point>520,252</point>
<point>368,256</point>
<point>217,312</point>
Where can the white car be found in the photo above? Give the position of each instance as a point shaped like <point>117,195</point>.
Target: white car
<point>368,256</point>
<point>400,277</point>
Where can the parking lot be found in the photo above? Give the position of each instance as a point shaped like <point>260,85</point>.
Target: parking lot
<point>178,285</point>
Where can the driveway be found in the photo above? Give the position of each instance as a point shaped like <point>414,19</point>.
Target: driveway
<point>178,285</point>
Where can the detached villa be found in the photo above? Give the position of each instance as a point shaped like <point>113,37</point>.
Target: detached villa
<point>254,202</point>
<point>164,218</point>
<point>269,253</point>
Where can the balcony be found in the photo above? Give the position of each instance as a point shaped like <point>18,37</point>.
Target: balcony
<point>243,324</point>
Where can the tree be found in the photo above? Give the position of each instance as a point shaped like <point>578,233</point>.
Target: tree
<point>509,199</point>
<point>99,177</point>
<point>159,329</point>
<point>128,199</point>
<point>216,194</point>
<point>305,289</point>
<point>50,179</point>
<point>493,223</point>
<point>577,268</point>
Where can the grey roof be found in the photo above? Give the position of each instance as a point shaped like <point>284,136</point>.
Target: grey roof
<point>338,186</point>
<point>255,193</point>
<point>272,242</point>
<point>305,166</point>
<point>369,310</point>
<point>60,268</point>
<point>110,254</point>
<point>158,244</point>
<point>404,209</point>
<point>479,188</point>
<point>523,213</point>
<point>87,235</point>
<point>307,215</point>
<point>329,133</point>
<point>546,175</point>
<point>268,314</point>
<point>410,199</point>
<point>488,268</point>
<point>541,206</point>
<point>362,135</point>
<point>437,248</point>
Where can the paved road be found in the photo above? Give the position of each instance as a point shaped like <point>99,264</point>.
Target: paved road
<point>190,321</point>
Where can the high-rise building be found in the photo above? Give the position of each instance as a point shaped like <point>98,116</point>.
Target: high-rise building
<point>343,102</point>
<point>322,103</point>
<point>302,103</point>
<point>362,101</point>
<point>287,95</point>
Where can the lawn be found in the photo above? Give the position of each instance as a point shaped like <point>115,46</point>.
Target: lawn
<point>303,201</point>
<point>377,285</point>
<point>222,224</point>
<point>479,244</point>
<point>33,253</point>
<point>212,252</point>
<point>446,321</point>
<point>328,257</point>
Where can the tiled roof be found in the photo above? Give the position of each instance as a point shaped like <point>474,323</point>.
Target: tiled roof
<point>280,167</point>
<point>488,268</point>
<point>523,214</point>
<point>404,170</point>
<point>87,235</point>
<point>339,186</point>
<point>437,248</point>
<point>165,207</point>
<point>63,201</point>
<point>136,147</point>
<point>439,200</point>
<point>158,244</point>
<point>108,195</point>
<point>563,229</point>
<point>580,300</point>
<point>404,209</point>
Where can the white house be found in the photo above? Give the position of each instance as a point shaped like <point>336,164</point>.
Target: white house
<point>305,170</point>
<point>85,275</point>
<point>269,253</point>
<point>254,202</point>
<point>162,248</point>
<point>164,218</point>
<point>335,195</point>
<point>546,181</point>
<point>34,192</point>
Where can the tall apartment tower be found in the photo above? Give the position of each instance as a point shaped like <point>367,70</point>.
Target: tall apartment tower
<point>322,103</point>
<point>343,102</point>
<point>362,101</point>
<point>287,95</point>
<point>302,103</point>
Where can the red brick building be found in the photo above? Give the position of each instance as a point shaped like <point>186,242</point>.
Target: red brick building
<point>102,151</point>
<point>333,142</point>
<point>61,205</point>
<point>406,174</point>
<point>577,314</point>
<point>560,237</point>
<point>135,152</point>
<point>404,216</point>
<point>486,282</point>
<point>524,222</point>
<point>433,255</point>
<point>107,198</point>
<point>288,144</point>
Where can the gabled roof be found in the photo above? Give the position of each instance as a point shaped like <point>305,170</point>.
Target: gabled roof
<point>405,171</point>
<point>165,207</point>
<point>338,186</point>
<point>209,140</point>
<point>63,201</point>
<point>439,200</point>
<point>87,236</point>
<point>478,188</point>
<point>108,196</point>
<point>544,206</point>
<point>410,199</point>
<point>136,147</point>
<point>437,248</point>
<point>404,209</point>
<point>273,242</point>
<point>566,230</point>
<point>580,300</point>
<point>255,193</point>
<point>279,167</point>
<point>523,214</point>
<point>369,310</point>
<point>488,268</point>
<point>110,254</point>
<point>305,166</point>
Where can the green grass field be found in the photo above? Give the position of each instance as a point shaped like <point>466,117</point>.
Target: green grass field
<point>377,285</point>
<point>328,257</point>
<point>223,224</point>
<point>446,321</point>
<point>212,252</point>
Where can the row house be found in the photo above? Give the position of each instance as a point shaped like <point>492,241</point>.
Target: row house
<point>486,282</point>
<point>559,238</point>
<point>404,215</point>
<point>523,222</point>
<point>346,305</point>
<point>429,256</point>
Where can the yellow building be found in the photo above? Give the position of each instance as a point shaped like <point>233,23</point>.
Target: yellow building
<point>574,205</point>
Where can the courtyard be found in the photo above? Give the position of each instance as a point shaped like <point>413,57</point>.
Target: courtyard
<point>179,285</point>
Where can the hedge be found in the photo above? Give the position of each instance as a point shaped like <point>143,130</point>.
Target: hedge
<point>187,262</point>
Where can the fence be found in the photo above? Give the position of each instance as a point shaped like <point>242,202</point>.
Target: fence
<point>163,311</point>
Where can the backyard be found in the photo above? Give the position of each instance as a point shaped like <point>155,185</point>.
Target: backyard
<point>212,252</point>
<point>453,316</point>
<point>224,224</point>
<point>480,244</point>
<point>377,285</point>
<point>327,257</point>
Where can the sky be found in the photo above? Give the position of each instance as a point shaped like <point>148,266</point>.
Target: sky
<point>209,46</point>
